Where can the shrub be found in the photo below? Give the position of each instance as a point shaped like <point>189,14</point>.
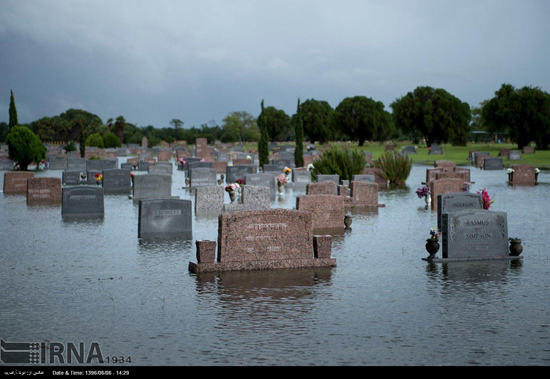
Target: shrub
<point>111,140</point>
<point>95,140</point>
<point>71,146</point>
<point>25,147</point>
<point>343,162</point>
<point>396,167</point>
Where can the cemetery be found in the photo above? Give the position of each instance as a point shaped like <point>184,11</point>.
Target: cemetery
<point>181,224</point>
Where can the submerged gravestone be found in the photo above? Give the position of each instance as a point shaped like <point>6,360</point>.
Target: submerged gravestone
<point>263,240</point>
<point>203,177</point>
<point>493,163</point>
<point>457,201</point>
<point>263,180</point>
<point>238,172</point>
<point>329,178</point>
<point>165,218</point>
<point>43,190</point>
<point>475,234</point>
<point>151,186</point>
<point>58,162</point>
<point>76,164</point>
<point>117,180</point>
<point>70,178</point>
<point>82,201</point>
<point>101,164</point>
<point>209,199</point>
<point>16,182</point>
<point>363,178</point>
<point>165,169</point>
<point>328,212</point>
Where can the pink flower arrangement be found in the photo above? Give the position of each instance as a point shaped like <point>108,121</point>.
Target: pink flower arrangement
<point>232,187</point>
<point>486,199</point>
<point>282,180</point>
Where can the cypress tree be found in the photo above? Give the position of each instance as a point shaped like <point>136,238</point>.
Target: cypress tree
<point>263,143</point>
<point>299,137</point>
<point>13,112</point>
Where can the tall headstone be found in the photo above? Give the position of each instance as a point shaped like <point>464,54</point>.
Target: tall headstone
<point>457,201</point>
<point>117,180</point>
<point>475,234</point>
<point>152,186</point>
<point>444,186</point>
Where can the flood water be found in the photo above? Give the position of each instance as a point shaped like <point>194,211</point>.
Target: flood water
<point>95,281</point>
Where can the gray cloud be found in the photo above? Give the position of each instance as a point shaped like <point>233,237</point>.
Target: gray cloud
<point>197,61</point>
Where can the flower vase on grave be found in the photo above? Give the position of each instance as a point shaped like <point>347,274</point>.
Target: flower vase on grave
<point>515,247</point>
<point>233,196</point>
<point>432,246</point>
<point>281,188</point>
<point>428,199</point>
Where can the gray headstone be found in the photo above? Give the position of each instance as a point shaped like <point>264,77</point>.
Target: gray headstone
<point>6,165</point>
<point>476,154</point>
<point>223,157</point>
<point>209,199</point>
<point>262,180</point>
<point>165,218</point>
<point>70,178</point>
<point>436,149</point>
<point>233,173</point>
<point>165,169</point>
<point>82,201</point>
<point>143,166</point>
<point>514,155</point>
<point>302,177</point>
<point>76,164</point>
<point>117,180</point>
<point>127,166</point>
<point>475,234</point>
<point>193,165</point>
<point>332,178</point>
<point>457,201</point>
<point>56,162</point>
<point>363,178</point>
<point>409,149</point>
<point>101,164</point>
<point>493,164</point>
<point>152,186</point>
<point>90,176</point>
<point>203,177</point>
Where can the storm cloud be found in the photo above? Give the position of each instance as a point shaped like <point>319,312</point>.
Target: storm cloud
<point>152,61</point>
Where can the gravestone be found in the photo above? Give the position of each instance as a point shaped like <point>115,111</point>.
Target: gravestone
<point>76,164</point>
<point>6,164</point>
<point>165,218</point>
<point>127,166</point>
<point>220,167</point>
<point>474,234</point>
<point>223,157</point>
<point>301,179</point>
<point>435,149</point>
<point>445,165</point>
<point>58,162</point>
<point>202,177</point>
<point>143,166</point>
<point>209,200</point>
<point>378,178</point>
<point>272,169</point>
<point>117,180</point>
<point>152,186</point>
<point>327,210</point>
<point>493,163</point>
<point>524,174</point>
<point>321,188</point>
<point>70,178</point>
<point>43,191</point>
<point>165,169</point>
<point>332,178</point>
<point>443,186</point>
<point>164,156</point>
<point>101,164</point>
<point>144,143</point>
<point>363,178</point>
<point>514,155</point>
<point>253,198</point>
<point>264,180</point>
<point>238,172</point>
<point>409,149</point>
<point>261,240</point>
<point>477,154</point>
<point>16,182</point>
<point>457,201</point>
<point>82,201</point>
<point>368,157</point>
<point>362,195</point>
<point>90,177</point>
<point>528,150</point>
<point>503,152</point>
<point>199,164</point>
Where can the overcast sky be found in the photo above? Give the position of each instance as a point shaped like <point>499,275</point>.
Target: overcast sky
<point>152,61</point>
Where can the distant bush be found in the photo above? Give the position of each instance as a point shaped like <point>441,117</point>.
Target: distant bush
<point>229,137</point>
<point>343,162</point>
<point>95,140</point>
<point>396,167</point>
<point>71,146</point>
<point>111,140</point>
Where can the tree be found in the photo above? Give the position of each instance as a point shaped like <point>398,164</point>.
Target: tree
<point>434,114</point>
<point>24,147</point>
<point>95,140</point>
<point>299,138</point>
<point>523,113</point>
<point>316,117</point>
<point>4,130</point>
<point>110,140</point>
<point>278,124</point>
<point>81,137</point>
<point>120,124</point>
<point>241,124</point>
<point>363,119</point>
<point>177,123</point>
<point>12,112</point>
<point>263,143</point>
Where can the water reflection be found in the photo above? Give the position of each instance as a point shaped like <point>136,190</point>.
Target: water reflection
<point>471,272</point>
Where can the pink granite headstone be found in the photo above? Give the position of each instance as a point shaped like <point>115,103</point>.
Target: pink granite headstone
<point>443,186</point>
<point>16,182</point>
<point>328,212</point>
<point>43,191</point>
<point>523,174</point>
